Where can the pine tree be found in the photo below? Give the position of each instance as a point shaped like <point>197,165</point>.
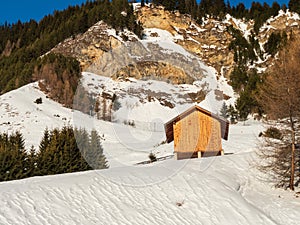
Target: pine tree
<point>31,162</point>
<point>294,6</point>
<point>182,6</point>
<point>233,114</point>
<point>95,154</point>
<point>12,157</point>
<point>45,141</point>
<point>275,42</point>
<point>243,105</point>
<point>224,111</point>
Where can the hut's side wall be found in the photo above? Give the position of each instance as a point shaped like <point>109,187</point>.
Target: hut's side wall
<point>210,134</point>
<point>197,132</point>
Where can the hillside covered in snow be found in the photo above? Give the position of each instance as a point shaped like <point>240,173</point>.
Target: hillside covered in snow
<point>216,190</point>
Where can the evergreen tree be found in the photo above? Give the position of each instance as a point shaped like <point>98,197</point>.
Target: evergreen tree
<point>224,111</point>
<point>294,6</point>
<point>94,155</point>
<point>182,6</point>
<point>233,114</point>
<point>244,105</point>
<point>275,42</point>
<point>239,11</point>
<point>62,155</point>
<point>215,8</point>
<point>45,141</point>
<point>12,157</point>
<point>238,78</point>
<point>31,162</point>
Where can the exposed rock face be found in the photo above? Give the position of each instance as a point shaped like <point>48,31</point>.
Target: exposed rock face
<point>288,22</point>
<point>157,17</point>
<point>149,60</point>
<point>209,41</point>
<point>100,50</point>
<point>154,71</point>
<point>9,47</point>
<point>90,46</point>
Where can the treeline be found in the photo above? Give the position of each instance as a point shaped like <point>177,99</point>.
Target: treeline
<point>22,43</point>
<point>218,8</point>
<point>63,150</point>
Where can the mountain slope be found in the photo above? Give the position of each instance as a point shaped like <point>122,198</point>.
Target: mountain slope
<point>208,41</point>
<point>175,65</point>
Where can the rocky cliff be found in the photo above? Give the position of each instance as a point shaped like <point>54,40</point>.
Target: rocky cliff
<point>104,51</point>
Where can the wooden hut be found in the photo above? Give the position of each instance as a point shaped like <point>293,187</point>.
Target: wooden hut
<point>197,133</point>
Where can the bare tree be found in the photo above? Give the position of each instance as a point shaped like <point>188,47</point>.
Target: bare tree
<point>280,98</point>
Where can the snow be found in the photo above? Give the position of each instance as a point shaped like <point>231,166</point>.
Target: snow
<point>20,113</point>
<point>137,5</point>
<point>286,15</point>
<point>165,40</point>
<point>217,190</point>
<point>240,24</point>
<point>290,15</point>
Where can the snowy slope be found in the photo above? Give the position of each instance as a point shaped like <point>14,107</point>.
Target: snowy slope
<point>218,190</point>
<point>122,143</point>
<point>19,113</point>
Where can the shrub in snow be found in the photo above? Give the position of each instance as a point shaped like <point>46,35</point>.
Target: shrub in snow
<point>152,157</point>
<point>38,101</point>
<point>272,132</point>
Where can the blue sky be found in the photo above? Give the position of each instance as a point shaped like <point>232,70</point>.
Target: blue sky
<point>12,10</point>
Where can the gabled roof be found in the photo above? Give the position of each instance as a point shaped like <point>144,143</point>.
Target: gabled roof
<point>169,125</point>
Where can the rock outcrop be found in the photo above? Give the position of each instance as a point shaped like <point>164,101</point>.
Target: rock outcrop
<point>90,46</point>
<point>101,50</point>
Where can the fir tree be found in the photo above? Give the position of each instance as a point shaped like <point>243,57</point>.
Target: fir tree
<point>95,153</point>
<point>12,157</point>
<point>233,114</point>
<point>294,6</point>
<point>224,111</point>
<point>31,162</point>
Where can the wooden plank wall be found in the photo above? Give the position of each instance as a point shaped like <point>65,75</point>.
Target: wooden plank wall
<point>186,133</point>
<point>197,132</point>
